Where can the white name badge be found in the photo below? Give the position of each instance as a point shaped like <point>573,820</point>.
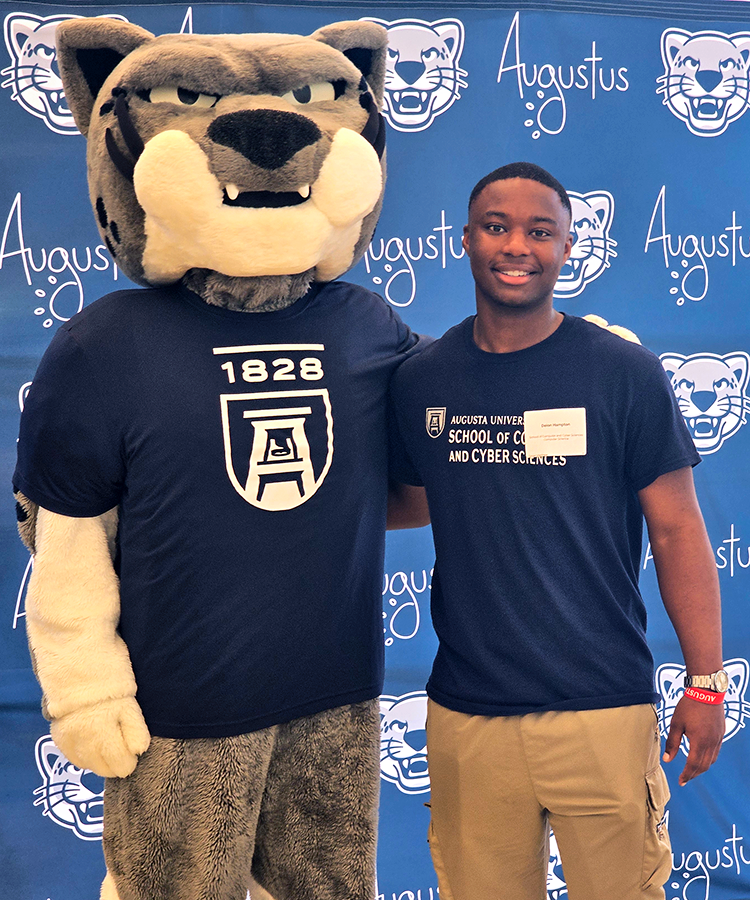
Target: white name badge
<point>555,432</point>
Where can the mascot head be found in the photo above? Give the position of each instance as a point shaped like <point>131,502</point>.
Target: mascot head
<point>223,158</point>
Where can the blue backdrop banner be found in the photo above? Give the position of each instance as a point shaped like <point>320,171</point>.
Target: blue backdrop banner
<point>642,110</point>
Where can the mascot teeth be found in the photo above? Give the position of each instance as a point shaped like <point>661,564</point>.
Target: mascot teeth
<point>233,191</point>
<point>215,232</point>
<point>304,191</point>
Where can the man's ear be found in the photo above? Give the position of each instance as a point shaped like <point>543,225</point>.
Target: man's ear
<point>568,246</point>
<point>88,50</point>
<point>365,45</point>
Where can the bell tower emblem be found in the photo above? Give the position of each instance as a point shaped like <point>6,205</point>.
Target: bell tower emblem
<point>277,456</point>
<point>434,420</point>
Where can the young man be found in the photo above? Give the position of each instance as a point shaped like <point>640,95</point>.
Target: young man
<point>542,440</point>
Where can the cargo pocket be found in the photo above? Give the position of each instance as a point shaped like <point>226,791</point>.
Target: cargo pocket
<point>657,850</point>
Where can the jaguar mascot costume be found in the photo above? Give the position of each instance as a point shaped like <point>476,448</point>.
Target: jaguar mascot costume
<point>202,471</point>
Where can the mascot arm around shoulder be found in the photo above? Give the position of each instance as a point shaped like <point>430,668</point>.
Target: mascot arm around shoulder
<point>243,168</point>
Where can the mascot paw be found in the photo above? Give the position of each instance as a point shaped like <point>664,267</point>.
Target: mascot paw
<point>109,891</point>
<point>625,333</point>
<point>106,737</point>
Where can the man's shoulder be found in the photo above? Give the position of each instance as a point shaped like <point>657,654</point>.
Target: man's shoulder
<point>360,313</point>
<point>613,347</point>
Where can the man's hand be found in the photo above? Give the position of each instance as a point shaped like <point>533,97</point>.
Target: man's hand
<point>407,506</point>
<point>703,726</point>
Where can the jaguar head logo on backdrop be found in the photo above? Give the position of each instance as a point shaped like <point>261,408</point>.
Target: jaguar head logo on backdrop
<point>592,216</point>
<point>403,742</point>
<point>33,76</point>
<point>422,77</point>
<point>556,887</point>
<point>69,796</point>
<point>711,394</point>
<point>669,683</point>
<point>705,80</point>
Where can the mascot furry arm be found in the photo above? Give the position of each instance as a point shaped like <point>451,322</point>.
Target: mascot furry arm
<point>188,138</point>
<point>72,611</point>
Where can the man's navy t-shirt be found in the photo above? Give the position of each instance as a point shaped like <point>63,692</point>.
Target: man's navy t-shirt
<point>247,453</point>
<point>535,596</point>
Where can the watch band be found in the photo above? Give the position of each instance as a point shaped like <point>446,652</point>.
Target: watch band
<point>717,681</point>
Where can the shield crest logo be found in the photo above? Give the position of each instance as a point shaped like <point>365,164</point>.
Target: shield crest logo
<point>434,420</point>
<point>278,445</point>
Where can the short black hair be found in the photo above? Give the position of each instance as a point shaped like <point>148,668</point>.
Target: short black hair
<point>522,170</point>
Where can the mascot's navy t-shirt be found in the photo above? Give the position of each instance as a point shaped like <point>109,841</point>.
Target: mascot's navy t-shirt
<point>535,595</point>
<point>247,453</point>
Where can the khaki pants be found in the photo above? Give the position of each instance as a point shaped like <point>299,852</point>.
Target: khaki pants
<point>499,783</point>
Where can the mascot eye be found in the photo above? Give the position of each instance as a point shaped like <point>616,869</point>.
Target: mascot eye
<point>727,64</point>
<point>311,93</point>
<point>44,52</point>
<point>430,55</point>
<point>171,93</point>
<point>685,385</point>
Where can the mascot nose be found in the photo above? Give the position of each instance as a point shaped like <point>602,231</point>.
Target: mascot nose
<point>703,399</point>
<point>416,738</point>
<point>269,138</point>
<point>708,79</point>
<point>411,72</point>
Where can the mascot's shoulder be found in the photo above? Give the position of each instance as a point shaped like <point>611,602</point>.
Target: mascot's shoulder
<point>134,310</point>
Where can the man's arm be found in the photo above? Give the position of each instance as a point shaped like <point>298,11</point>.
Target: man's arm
<point>689,587</point>
<point>407,506</point>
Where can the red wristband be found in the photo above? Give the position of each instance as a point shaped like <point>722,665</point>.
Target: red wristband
<point>711,697</point>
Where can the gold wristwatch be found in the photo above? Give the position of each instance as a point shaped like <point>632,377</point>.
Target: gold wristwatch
<point>717,682</point>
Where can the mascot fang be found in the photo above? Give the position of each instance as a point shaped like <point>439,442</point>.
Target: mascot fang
<point>202,471</point>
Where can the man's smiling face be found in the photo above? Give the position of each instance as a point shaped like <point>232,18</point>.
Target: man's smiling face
<point>517,240</point>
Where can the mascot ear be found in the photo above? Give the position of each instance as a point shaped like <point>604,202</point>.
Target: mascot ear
<point>88,50</point>
<point>364,44</point>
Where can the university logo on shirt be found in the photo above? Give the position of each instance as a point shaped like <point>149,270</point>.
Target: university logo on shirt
<point>71,797</point>
<point>278,445</point>
<point>434,420</point>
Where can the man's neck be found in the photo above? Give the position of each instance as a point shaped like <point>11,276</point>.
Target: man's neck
<point>505,331</point>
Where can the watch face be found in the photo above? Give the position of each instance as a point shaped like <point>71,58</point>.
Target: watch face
<point>721,680</point>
